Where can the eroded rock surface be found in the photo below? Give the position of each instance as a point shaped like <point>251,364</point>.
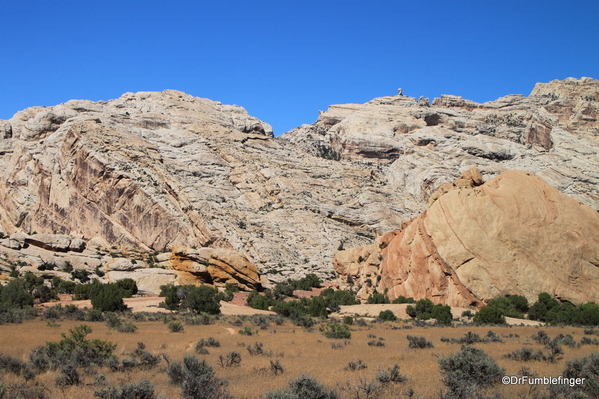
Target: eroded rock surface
<point>50,255</point>
<point>515,234</point>
<point>152,171</point>
<point>554,133</point>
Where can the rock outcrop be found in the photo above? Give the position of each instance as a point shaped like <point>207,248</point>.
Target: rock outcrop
<point>152,171</point>
<point>515,234</point>
<point>554,133</point>
<point>49,255</point>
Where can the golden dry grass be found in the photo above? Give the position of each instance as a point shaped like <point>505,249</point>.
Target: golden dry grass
<point>299,352</point>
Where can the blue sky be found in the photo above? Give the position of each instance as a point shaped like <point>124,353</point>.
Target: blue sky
<point>284,61</point>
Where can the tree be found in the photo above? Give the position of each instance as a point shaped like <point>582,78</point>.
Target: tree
<point>507,305</point>
<point>520,303</point>
<point>539,310</point>
<point>14,294</point>
<point>588,314</point>
<point>422,309</point>
<point>442,314</point>
<point>387,315</point>
<point>107,298</point>
<point>377,298</point>
<point>283,289</point>
<point>259,301</point>
<point>489,315</point>
<point>339,297</point>
<point>318,307</point>
<point>171,298</point>
<point>202,299</point>
<point>129,287</point>
<point>402,299</point>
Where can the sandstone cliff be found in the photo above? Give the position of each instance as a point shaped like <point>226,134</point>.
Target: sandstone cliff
<point>154,171</point>
<point>515,234</point>
<point>554,133</point>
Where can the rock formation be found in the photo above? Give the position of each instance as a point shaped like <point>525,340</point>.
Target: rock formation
<point>515,234</point>
<point>553,133</point>
<point>153,171</point>
<point>50,255</point>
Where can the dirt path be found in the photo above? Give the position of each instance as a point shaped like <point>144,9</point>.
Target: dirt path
<point>229,330</point>
<point>150,304</point>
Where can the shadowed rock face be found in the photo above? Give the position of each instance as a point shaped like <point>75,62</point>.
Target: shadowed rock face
<point>515,234</point>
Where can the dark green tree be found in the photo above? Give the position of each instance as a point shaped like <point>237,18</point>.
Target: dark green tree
<point>489,315</point>
<point>377,298</point>
<point>318,307</point>
<point>339,297</point>
<point>202,299</point>
<point>15,294</point>
<point>442,314</point>
<point>172,301</point>
<point>107,298</point>
<point>261,301</point>
<point>128,286</point>
<point>402,299</point>
<point>421,310</point>
<point>387,315</point>
<point>539,310</point>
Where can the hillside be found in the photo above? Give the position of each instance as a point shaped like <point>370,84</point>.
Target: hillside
<point>152,171</point>
<point>513,235</point>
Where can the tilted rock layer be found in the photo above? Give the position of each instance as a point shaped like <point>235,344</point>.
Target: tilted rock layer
<point>153,171</point>
<point>553,133</point>
<point>157,170</point>
<point>52,255</point>
<point>515,234</point>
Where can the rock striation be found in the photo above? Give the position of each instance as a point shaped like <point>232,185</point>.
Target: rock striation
<point>70,258</point>
<point>554,133</point>
<point>514,234</point>
<point>153,171</point>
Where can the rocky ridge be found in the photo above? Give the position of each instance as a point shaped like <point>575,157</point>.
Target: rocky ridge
<point>71,258</point>
<point>155,171</point>
<point>554,133</point>
<point>513,235</point>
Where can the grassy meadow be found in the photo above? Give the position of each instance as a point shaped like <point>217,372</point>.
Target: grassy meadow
<point>298,350</point>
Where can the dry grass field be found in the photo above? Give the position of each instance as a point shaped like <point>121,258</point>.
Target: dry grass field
<point>299,351</point>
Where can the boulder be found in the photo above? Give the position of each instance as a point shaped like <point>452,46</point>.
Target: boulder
<point>124,265</point>
<point>148,280</point>
<point>52,242</point>
<point>215,266</point>
<point>513,235</point>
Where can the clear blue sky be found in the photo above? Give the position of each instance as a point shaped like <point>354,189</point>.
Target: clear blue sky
<point>285,60</point>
